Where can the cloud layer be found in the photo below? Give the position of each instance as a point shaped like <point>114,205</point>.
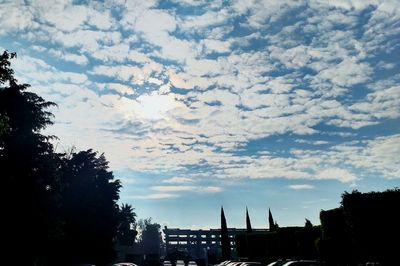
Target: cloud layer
<point>245,90</point>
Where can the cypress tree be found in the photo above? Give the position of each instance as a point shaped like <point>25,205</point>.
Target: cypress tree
<point>272,225</point>
<point>248,223</point>
<point>225,243</point>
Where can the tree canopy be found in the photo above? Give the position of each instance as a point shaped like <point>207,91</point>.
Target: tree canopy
<point>63,207</point>
<point>30,189</point>
<point>127,225</point>
<point>150,237</point>
<point>90,210</point>
<point>372,219</point>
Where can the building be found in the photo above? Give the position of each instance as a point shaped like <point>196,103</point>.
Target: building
<point>197,243</point>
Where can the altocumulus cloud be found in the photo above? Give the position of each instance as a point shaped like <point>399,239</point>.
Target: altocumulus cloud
<point>301,186</point>
<point>198,189</point>
<point>164,89</point>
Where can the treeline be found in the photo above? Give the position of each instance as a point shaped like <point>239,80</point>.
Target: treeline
<point>365,228</point>
<point>57,208</point>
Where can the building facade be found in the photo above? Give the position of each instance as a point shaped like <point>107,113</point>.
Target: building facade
<point>195,241</point>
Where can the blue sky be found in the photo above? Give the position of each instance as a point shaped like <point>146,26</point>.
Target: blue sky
<point>197,104</point>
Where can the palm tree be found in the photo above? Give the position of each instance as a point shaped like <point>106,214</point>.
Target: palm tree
<point>127,216</point>
<point>127,225</point>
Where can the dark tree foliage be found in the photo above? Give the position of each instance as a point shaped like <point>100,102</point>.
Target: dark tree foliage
<point>307,241</point>
<point>56,209</point>
<point>255,246</point>
<point>90,210</point>
<point>3,125</point>
<point>30,183</point>
<point>150,238</point>
<point>248,223</point>
<point>127,225</point>
<point>335,244</point>
<point>373,220</point>
<point>225,243</point>
<point>287,242</point>
<point>273,226</point>
<point>308,224</point>
<point>242,244</point>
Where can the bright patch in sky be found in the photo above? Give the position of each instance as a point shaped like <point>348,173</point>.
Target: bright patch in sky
<point>154,106</point>
<point>198,104</point>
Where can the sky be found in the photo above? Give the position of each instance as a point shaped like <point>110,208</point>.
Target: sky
<point>202,104</point>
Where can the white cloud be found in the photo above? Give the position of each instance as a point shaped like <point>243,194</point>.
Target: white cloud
<point>379,154</point>
<point>215,46</point>
<point>139,57</point>
<point>173,188</point>
<point>152,21</point>
<point>316,142</point>
<point>337,174</point>
<point>380,104</point>
<point>39,48</point>
<point>198,189</point>
<point>301,186</point>
<point>210,189</point>
<point>295,57</point>
<point>210,18</point>
<point>101,20</point>
<point>177,180</point>
<point>273,80</point>
<point>346,73</point>
<point>118,87</point>
<point>73,77</point>
<point>155,106</point>
<point>133,73</point>
<point>14,17</point>
<point>357,4</point>
<point>78,59</point>
<point>157,196</point>
<point>116,52</point>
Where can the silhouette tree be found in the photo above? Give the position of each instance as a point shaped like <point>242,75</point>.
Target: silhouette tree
<point>373,223</point>
<point>308,224</point>
<point>90,209</point>
<point>335,245</point>
<point>248,223</point>
<point>306,240</point>
<point>150,237</point>
<point>225,243</point>
<point>3,125</point>
<point>30,180</point>
<point>127,225</point>
<point>56,208</point>
<point>273,226</point>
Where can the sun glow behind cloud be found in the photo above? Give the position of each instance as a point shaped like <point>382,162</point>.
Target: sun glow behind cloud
<point>155,106</point>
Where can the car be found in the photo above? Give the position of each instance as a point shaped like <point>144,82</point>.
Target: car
<point>234,263</point>
<point>279,262</point>
<point>192,263</point>
<point>124,264</point>
<point>302,263</point>
<point>226,262</point>
<point>250,263</point>
<point>180,263</point>
<point>167,263</point>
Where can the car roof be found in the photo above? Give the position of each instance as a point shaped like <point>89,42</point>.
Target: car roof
<point>302,262</point>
